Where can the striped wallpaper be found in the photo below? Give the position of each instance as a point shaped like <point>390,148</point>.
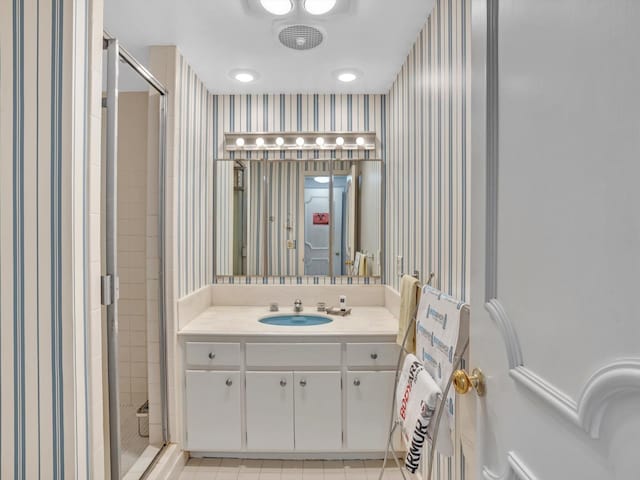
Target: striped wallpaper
<point>46,426</point>
<point>427,201</point>
<point>274,113</point>
<point>196,138</point>
<point>428,147</point>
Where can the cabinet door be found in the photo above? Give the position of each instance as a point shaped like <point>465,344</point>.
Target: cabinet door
<point>369,399</point>
<point>213,411</point>
<point>270,411</point>
<point>318,411</point>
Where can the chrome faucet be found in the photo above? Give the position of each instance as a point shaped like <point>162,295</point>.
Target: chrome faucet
<point>297,306</point>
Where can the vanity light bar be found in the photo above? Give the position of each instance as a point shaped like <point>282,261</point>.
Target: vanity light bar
<point>282,141</point>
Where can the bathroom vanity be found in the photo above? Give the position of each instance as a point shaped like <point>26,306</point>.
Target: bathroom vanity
<point>253,389</point>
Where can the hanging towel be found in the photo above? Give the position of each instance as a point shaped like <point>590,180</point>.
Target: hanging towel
<point>409,293</point>
<point>417,397</point>
<point>438,327</point>
<point>362,267</point>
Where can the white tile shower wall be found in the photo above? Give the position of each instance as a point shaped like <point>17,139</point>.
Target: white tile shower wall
<point>132,246</point>
<point>427,215</point>
<point>153,272</point>
<point>49,348</point>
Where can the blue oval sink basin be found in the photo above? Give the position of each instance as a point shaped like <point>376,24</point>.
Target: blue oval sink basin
<point>296,320</point>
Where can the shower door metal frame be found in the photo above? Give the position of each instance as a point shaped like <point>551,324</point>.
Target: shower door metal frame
<point>110,287</point>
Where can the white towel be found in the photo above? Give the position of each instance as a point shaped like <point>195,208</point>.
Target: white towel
<point>417,398</point>
<point>438,327</point>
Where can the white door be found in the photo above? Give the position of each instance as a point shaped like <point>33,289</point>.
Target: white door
<point>316,235</point>
<point>269,411</point>
<point>369,398</point>
<point>555,239</point>
<point>318,411</point>
<point>213,411</point>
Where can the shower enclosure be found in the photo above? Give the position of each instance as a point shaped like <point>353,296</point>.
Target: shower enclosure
<point>133,172</point>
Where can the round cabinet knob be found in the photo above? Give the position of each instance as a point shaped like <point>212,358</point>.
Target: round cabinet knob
<point>356,382</point>
<point>212,355</point>
<point>283,383</point>
<point>303,383</point>
<point>374,356</point>
<point>229,382</point>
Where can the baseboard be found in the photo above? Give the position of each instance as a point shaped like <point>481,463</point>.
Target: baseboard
<point>170,464</point>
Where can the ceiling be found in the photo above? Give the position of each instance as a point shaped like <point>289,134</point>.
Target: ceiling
<point>217,36</point>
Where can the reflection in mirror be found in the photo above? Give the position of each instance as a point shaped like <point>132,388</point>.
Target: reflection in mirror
<point>283,208</point>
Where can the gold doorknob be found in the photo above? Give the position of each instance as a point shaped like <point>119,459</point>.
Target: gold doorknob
<point>463,382</point>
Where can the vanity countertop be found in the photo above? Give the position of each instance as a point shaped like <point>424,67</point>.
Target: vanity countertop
<point>243,321</point>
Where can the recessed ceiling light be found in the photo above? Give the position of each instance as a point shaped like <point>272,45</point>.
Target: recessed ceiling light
<point>240,142</point>
<point>279,141</point>
<point>347,77</point>
<point>319,7</point>
<point>244,77</point>
<point>300,141</point>
<point>321,179</point>
<point>277,7</point>
<point>360,141</point>
<point>340,141</point>
<point>259,142</point>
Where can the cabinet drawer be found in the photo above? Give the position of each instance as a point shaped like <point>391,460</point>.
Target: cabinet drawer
<point>208,354</point>
<point>372,355</point>
<point>293,355</point>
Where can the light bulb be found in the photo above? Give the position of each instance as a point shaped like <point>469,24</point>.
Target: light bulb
<point>300,141</point>
<point>277,7</point>
<point>319,7</point>
<point>279,141</point>
<point>260,142</point>
<point>240,142</point>
<point>340,141</point>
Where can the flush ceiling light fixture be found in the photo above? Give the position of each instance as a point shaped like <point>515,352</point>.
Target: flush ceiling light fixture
<point>319,7</point>
<point>339,141</point>
<point>240,142</point>
<point>277,7</point>
<point>347,75</point>
<point>280,141</point>
<point>243,75</point>
<point>259,142</point>
<point>300,141</point>
<point>320,141</point>
<point>360,141</point>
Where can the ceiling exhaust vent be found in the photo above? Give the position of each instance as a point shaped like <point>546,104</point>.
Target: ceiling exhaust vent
<point>300,37</point>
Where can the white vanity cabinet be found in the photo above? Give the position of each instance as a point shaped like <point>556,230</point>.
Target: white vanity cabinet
<point>213,413</point>
<point>318,411</point>
<point>328,396</point>
<point>269,403</point>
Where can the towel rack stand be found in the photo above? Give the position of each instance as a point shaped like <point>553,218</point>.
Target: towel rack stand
<point>394,422</point>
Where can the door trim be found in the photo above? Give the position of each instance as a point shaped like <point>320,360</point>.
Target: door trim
<point>516,469</point>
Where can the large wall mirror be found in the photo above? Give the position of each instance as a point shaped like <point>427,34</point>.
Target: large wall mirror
<point>298,216</point>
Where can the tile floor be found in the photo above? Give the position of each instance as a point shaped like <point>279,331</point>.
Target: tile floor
<point>234,469</point>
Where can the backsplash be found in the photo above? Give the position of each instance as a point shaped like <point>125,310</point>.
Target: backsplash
<point>302,280</point>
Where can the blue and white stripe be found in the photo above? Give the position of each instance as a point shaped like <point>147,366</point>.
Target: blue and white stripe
<point>44,235</point>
